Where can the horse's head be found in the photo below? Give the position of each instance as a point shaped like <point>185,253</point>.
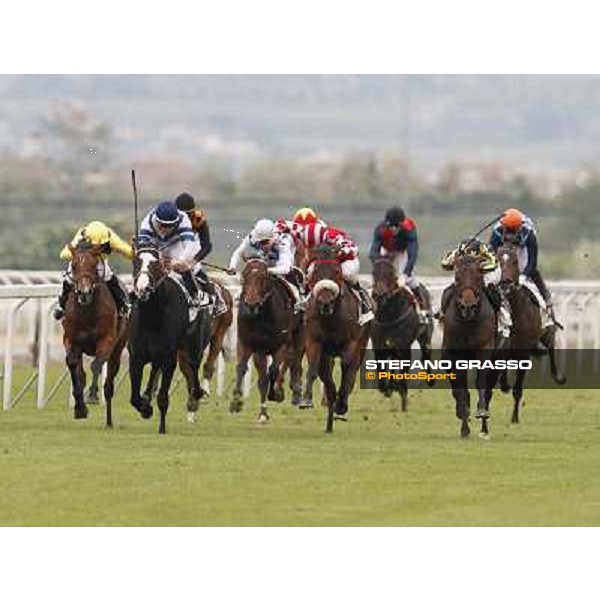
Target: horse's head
<point>148,271</point>
<point>256,285</point>
<point>509,265</point>
<point>385,279</point>
<point>84,270</point>
<point>324,278</point>
<point>468,281</point>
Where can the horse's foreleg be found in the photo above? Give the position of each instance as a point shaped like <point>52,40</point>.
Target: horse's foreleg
<point>260,363</point>
<point>463,400</point>
<point>483,381</point>
<point>296,353</point>
<point>74,360</point>
<point>136,371</point>
<point>313,355</point>
<point>215,347</point>
<point>326,375</point>
<point>350,364</point>
<point>189,365</point>
<point>244,354</point>
<point>558,377</point>
<point>518,394</point>
<point>162,400</point>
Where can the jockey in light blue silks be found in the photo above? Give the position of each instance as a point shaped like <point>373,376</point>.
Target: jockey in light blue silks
<point>170,230</point>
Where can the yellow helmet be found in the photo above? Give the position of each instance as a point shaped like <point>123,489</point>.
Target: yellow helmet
<point>96,232</point>
<point>305,215</point>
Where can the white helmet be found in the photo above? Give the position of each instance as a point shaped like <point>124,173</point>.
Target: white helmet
<point>263,230</point>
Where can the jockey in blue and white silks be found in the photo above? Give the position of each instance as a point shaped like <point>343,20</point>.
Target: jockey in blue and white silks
<point>170,230</point>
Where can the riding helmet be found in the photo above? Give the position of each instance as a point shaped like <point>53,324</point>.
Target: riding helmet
<point>512,219</point>
<point>185,202</point>
<point>305,216</point>
<point>166,213</point>
<point>96,232</point>
<point>394,216</point>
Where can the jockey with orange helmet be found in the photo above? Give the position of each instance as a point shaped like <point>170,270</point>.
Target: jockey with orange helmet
<point>97,234</point>
<point>516,228</point>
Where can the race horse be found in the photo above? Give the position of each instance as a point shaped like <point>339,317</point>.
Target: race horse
<point>92,326</point>
<point>527,331</point>
<point>396,325</point>
<point>161,334</point>
<point>219,327</point>
<point>332,330</point>
<point>469,334</point>
<point>267,325</point>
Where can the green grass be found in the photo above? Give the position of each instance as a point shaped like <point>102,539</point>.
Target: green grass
<point>383,467</point>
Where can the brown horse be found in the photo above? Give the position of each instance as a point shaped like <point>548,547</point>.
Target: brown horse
<point>267,326</point>
<point>396,325</point>
<point>469,333</point>
<point>219,327</point>
<point>92,326</point>
<point>527,328</point>
<point>332,330</point>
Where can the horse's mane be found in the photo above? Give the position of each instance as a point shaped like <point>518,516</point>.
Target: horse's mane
<point>323,252</point>
<point>84,246</point>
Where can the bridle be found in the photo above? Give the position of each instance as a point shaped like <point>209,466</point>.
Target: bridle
<point>145,272</point>
<point>255,267</point>
<point>84,296</point>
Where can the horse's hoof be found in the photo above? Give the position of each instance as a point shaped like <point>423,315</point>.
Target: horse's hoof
<point>92,399</point>
<point>80,412</point>
<point>235,406</point>
<point>561,380</point>
<point>206,387</point>
<point>191,416</point>
<point>482,413</point>
<point>304,404</point>
<point>484,436</point>
<point>339,417</point>
<point>263,418</point>
<point>388,393</point>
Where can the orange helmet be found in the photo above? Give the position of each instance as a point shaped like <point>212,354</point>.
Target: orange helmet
<point>512,219</point>
<point>305,216</point>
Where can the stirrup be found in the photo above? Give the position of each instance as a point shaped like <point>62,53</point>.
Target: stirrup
<point>58,313</point>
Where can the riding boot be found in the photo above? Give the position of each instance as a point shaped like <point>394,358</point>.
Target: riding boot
<point>502,308</point>
<point>220,306</point>
<point>59,311</point>
<point>119,294</point>
<point>366,312</point>
<point>446,297</point>
<point>422,308</point>
<point>190,286</point>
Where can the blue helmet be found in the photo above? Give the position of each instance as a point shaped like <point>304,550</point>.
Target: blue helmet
<point>166,213</point>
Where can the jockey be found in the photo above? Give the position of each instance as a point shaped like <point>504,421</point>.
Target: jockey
<point>170,230</point>
<point>97,233</point>
<point>276,248</point>
<point>516,228</point>
<point>303,217</point>
<point>317,233</point>
<point>185,203</point>
<point>490,267</point>
<point>397,237</point>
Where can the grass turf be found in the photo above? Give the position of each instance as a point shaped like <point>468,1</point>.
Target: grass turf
<point>383,467</point>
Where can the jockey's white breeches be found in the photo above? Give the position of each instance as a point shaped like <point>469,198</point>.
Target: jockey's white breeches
<point>493,277</point>
<point>350,270</point>
<point>523,257</point>
<point>399,260</point>
<point>103,269</point>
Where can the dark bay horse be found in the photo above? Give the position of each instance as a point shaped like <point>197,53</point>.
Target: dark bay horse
<point>396,325</point>
<point>267,326</point>
<point>527,328</point>
<point>469,334</point>
<point>332,330</point>
<point>92,326</point>
<point>161,333</point>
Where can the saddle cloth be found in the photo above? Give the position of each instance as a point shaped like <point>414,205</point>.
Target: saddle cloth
<point>527,283</point>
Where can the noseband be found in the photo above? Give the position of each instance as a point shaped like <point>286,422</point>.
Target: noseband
<point>255,307</point>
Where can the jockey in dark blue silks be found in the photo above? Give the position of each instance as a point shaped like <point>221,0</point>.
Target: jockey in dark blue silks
<point>170,230</point>
<point>516,228</point>
<point>185,202</point>
<point>396,237</point>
